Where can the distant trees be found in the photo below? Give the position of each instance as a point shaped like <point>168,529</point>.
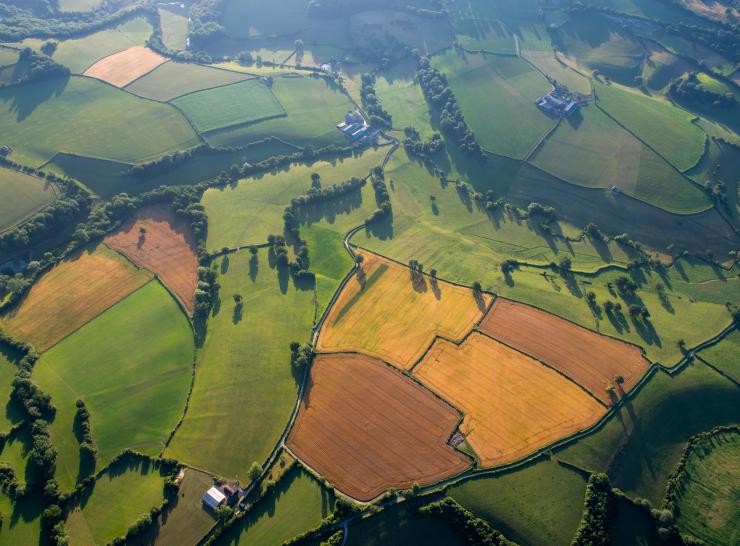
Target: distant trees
<point>690,88</point>
<point>205,22</point>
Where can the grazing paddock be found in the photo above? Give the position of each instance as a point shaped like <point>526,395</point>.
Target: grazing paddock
<point>174,28</point>
<point>22,195</point>
<point>383,313</point>
<point>725,356</point>
<point>513,405</point>
<point>184,521</point>
<point>133,366</point>
<point>71,294</point>
<point>121,68</point>
<point>171,80</point>
<point>592,360</point>
<point>367,428</point>
<point>236,104</point>
<point>167,248</point>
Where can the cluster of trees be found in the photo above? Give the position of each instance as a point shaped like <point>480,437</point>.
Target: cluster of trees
<point>378,115</point>
<point>88,449</point>
<point>317,192</point>
<point>382,198</point>
<point>690,88</point>
<point>724,39</point>
<point>300,357</point>
<point>307,154</point>
<point>8,480</point>
<point>206,291</point>
<point>626,286</point>
<point>451,120</point>
<point>423,149</point>
<point>594,529</point>
<point>205,23</point>
<point>36,66</point>
<point>167,162</point>
<point>471,528</point>
<point>43,455</point>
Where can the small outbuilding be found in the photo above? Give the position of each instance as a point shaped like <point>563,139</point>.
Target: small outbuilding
<point>214,498</point>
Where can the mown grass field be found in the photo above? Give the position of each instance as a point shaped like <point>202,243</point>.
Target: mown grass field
<point>80,53</point>
<point>403,98</point>
<point>245,359</point>
<point>298,503</point>
<point>107,178</point>
<point>21,195</point>
<point>709,491</point>
<point>250,18</point>
<point>235,104</point>
<point>88,117</point>
<point>185,520</point>
<point>172,80</point>
<point>640,446</point>
<point>725,355</point>
<point>174,28</point>
<point>496,96</point>
<point>117,499</point>
<point>313,109</point>
<point>135,391</point>
<point>592,150</point>
<point>540,503</point>
<point>664,127</point>
<point>248,211</point>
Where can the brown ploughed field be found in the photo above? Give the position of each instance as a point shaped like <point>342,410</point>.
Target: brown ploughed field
<point>167,248</point>
<point>513,405</point>
<point>384,314</point>
<point>366,427</point>
<point>588,358</point>
<point>121,68</point>
<point>73,293</point>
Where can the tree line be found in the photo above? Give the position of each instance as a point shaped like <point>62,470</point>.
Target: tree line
<point>378,115</point>
<point>690,88</point>
<point>472,529</point>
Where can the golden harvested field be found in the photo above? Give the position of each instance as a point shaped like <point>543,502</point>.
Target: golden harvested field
<point>366,427</point>
<point>513,405</point>
<point>590,359</point>
<point>383,314</point>
<point>167,248</point>
<point>121,68</point>
<point>74,292</point>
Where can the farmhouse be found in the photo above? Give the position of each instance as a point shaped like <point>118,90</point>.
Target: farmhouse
<point>214,498</point>
<point>557,102</point>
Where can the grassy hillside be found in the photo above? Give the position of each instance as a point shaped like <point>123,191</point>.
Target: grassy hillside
<point>725,355</point>
<point>171,80</point>
<point>21,195</point>
<point>135,391</point>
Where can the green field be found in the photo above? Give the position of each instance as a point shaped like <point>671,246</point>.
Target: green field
<point>21,195</point>
<point>88,117</point>
<point>540,503</point>
<point>659,124</point>
<point>15,452</point>
<point>708,505</point>
<point>185,520</point>
<point>728,116</point>
<point>174,28</point>
<point>496,96</point>
<point>80,53</point>
<point>402,97</point>
<point>661,67</point>
<point>653,9</point>
<point>298,503</point>
<point>171,80</point>
<point>725,355</point>
<point>135,391</point>
<point>601,45</point>
<point>590,149</point>
<point>21,520</point>
<point>247,212</point>
<point>249,18</point>
<point>640,446</point>
<point>8,56</point>
<point>682,46</point>
<point>556,69</point>
<point>236,104</point>
<point>245,360</point>
<point>313,109</point>
<point>118,498</point>
<point>78,5</point>
<point>107,178</point>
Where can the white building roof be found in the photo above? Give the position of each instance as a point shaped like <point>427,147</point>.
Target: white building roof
<point>214,497</point>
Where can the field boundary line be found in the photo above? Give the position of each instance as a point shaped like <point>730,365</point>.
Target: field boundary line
<point>716,369</point>
<point>540,141</point>
<point>247,78</point>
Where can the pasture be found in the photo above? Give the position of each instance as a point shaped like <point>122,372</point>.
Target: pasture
<point>366,427</point>
<point>709,490</point>
<point>88,117</point>
<point>132,366</point>
<point>725,355</point>
<point>22,195</point>
<point>121,68</point>
<point>250,18</point>
<point>402,97</point>
<point>661,67</point>
<point>298,503</point>
<point>21,519</point>
<point>167,248</point>
<point>496,96</point>
<point>246,358</point>
<point>539,503</point>
<point>589,359</point>
<point>556,68</point>
<point>174,28</point>
<point>313,109</point>
<point>185,520</point>
<point>114,502</point>
<point>640,446</point>
<point>656,122</point>
<point>72,293</point>
<point>591,150</point>
<point>236,104</point>
<point>385,312</point>
<point>16,451</point>
<point>171,80</point>
<point>513,405</point>
<point>694,50</point>
<point>248,211</point>
<point>79,54</point>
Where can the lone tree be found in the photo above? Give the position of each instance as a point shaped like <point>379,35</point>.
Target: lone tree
<point>237,298</point>
<point>477,288</point>
<point>142,230</point>
<point>254,471</point>
<point>619,380</point>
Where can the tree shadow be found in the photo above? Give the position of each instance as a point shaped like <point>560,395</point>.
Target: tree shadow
<point>225,264</point>
<point>434,284</point>
<point>236,317</point>
<point>25,99</point>
<point>253,267</point>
